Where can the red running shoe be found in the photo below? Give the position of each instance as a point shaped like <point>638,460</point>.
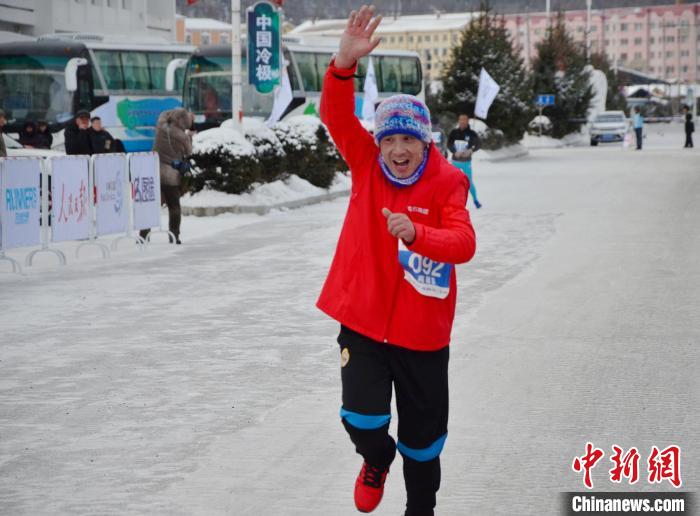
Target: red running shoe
<point>369,487</point>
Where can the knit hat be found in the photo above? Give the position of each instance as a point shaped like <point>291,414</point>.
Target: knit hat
<point>402,114</point>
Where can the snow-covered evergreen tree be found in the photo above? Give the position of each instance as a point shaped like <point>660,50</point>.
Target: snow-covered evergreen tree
<point>559,69</point>
<point>485,42</point>
<point>616,98</point>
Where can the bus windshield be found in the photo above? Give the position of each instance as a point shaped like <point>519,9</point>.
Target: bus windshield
<point>33,88</point>
<point>208,89</point>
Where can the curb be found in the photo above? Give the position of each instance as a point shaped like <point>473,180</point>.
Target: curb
<point>210,211</point>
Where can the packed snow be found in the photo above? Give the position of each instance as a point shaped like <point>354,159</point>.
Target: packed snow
<point>200,379</point>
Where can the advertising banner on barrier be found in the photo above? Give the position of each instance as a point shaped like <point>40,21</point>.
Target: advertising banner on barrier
<point>20,217</point>
<point>145,183</point>
<point>70,217</point>
<point>111,209</point>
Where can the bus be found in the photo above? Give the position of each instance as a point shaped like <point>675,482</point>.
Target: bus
<point>122,82</point>
<point>207,82</point>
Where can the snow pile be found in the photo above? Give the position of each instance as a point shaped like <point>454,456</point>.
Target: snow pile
<point>508,152</point>
<point>292,188</point>
<point>218,138</point>
<point>540,121</point>
<point>532,141</point>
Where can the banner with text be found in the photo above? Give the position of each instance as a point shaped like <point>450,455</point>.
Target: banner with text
<point>145,185</point>
<point>70,216</point>
<point>111,208</point>
<point>20,218</point>
<point>264,47</point>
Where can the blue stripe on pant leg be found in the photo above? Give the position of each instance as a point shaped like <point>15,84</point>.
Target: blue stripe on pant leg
<point>423,454</point>
<point>364,422</point>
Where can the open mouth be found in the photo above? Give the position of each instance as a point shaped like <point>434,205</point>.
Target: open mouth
<point>400,166</point>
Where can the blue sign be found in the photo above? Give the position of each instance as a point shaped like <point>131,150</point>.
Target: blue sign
<point>546,99</point>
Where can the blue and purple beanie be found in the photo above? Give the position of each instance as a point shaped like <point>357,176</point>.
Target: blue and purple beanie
<point>403,114</point>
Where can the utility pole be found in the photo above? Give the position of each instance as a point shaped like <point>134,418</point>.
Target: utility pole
<point>548,2</point>
<point>236,86</point>
<point>588,30</point>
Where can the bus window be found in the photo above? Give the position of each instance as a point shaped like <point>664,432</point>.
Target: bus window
<point>135,66</point>
<point>306,63</point>
<point>389,76</point>
<point>410,75</point>
<point>322,61</point>
<point>111,68</point>
<point>33,88</point>
<point>293,79</point>
<point>158,63</point>
<point>360,73</point>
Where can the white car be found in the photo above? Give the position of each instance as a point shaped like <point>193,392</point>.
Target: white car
<point>15,150</point>
<point>609,126</point>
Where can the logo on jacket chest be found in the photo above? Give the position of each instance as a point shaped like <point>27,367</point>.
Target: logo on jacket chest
<point>418,209</point>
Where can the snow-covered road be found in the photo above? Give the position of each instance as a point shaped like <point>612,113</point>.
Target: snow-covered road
<point>201,380</point>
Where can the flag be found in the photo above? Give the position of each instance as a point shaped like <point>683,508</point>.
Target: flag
<point>488,89</point>
<point>282,98</point>
<point>371,93</point>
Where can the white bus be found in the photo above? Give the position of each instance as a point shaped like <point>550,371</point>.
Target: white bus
<point>122,82</point>
<point>207,85</point>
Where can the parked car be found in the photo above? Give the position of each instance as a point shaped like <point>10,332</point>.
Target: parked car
<point>609,126</point>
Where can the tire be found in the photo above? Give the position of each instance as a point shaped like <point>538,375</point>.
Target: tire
<point>594,143</point>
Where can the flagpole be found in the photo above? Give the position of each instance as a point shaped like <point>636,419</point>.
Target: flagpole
<point>236,94</point>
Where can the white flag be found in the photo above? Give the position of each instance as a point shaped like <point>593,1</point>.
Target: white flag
<point>283,97</point>
<point>488,89</point>
<point>371,93</point>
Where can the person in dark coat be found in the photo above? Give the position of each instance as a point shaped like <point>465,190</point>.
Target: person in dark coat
<point>44,139</point>
<point>27,135</point>
<point>689,128</point>
<point>100,139</point>
<point>77,134</point>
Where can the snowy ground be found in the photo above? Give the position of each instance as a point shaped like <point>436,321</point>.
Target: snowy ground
<point>200,380</point>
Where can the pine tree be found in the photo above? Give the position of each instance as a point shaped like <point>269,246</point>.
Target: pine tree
<point>615,99</point>
<point>559,68</point>
<point>485,42</point>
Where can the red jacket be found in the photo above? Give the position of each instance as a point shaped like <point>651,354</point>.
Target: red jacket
<point>366,289</point>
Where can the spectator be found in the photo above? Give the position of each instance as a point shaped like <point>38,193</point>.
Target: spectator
<point>689,128</point>
<point>44,139</point>
<point>27,135</point>
<point>77,134</point>
<point>101,141</point>
<point>638,123</point>
<point>173,144</point>
<point>3,121</point>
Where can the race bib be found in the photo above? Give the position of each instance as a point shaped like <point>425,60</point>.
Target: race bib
<point>428,277</point>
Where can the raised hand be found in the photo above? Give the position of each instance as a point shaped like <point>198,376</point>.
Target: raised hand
<point>357,40</point>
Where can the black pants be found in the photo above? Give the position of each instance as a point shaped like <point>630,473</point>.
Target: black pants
<point>171,196</point>
<point>369,369</point>
<point>688,139</point>
<point>638,134</point>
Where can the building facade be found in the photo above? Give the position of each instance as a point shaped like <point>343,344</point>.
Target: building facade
<point>662,41</point>
<point>202,31</point>
<point>431,36</point>
<point>123,17</point>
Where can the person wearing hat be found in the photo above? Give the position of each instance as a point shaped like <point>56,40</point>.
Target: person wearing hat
<point>392,283</point>
<point>44,139</point>
<point>77,135</point>
<point>3,147</point>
